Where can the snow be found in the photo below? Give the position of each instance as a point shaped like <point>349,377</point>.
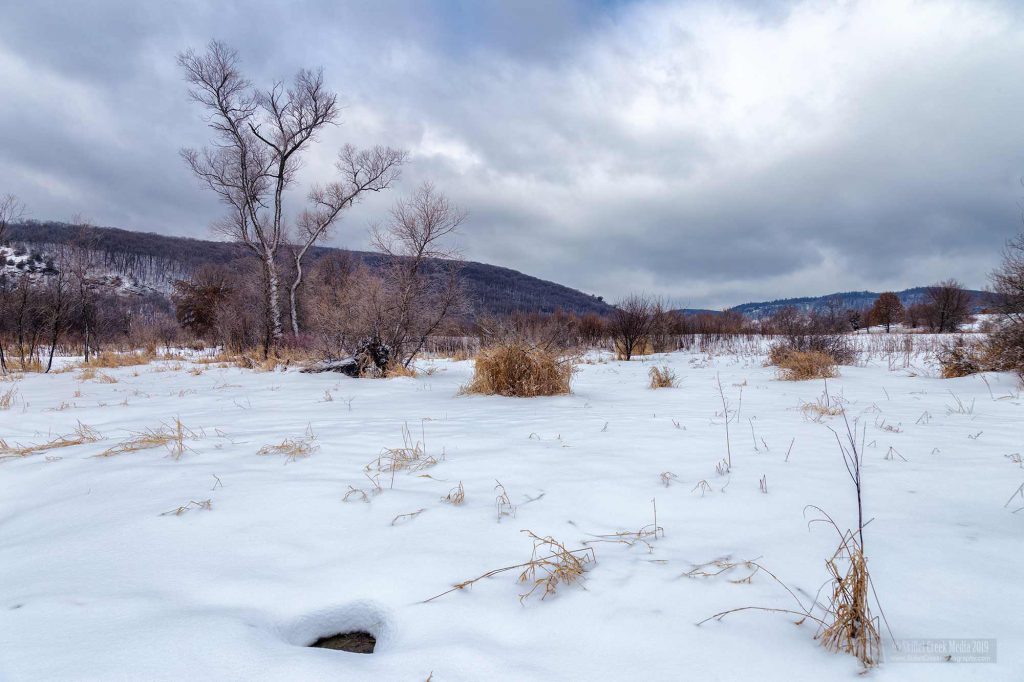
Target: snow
<point>97,584</point>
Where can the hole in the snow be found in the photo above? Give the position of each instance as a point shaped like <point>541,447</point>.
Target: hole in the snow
<point>356,642</point>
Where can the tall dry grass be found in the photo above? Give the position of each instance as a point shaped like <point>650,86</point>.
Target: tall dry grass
<point>662,377</point>
<point>520,369</point>
<point>796,365</point>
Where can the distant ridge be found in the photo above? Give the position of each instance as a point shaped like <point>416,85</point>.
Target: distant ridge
<point>156,261</point>
<point>847,299</point>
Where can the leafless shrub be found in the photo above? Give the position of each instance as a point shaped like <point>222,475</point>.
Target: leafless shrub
<point>630,325</point>
<point>961,358</point>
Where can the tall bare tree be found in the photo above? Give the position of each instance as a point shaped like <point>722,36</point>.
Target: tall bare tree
<point>259,136</point>
<point>1008,282</point>
<point>11,210</point>
<point>368,170</point>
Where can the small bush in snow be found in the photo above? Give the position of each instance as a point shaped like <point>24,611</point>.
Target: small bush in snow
<point>802,365</point>
<point>520,369</point>
<point>662,377</point>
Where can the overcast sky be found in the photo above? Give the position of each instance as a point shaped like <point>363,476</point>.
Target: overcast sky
<point>714,153</point>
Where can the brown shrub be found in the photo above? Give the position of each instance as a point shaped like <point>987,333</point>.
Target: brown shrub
<point>802,365</point>
<point>961,358</point>
<point>836,346</point>
<point>519,369</point>
<point>662,377</point>
<point>1004,348</point>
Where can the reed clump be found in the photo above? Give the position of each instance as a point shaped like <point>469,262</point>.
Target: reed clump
<point>523,370</point>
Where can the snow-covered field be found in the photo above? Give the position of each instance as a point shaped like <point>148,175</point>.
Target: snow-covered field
<point>98,582</point>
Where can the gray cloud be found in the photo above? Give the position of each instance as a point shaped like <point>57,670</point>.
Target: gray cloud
<point>712,153</point>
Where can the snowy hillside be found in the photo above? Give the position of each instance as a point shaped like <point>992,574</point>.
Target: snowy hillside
<point>223,563</point>
<point>21,260</point>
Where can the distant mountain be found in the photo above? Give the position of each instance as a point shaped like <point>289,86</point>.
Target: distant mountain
<point>153,262</point>
<point>847,299</point>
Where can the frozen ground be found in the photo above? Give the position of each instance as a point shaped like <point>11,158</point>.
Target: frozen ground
<point>96,584</point>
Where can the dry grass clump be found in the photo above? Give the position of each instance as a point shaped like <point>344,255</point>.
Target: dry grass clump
<point>456,495</point>
<point>293,448</point>
<point>852,629</point>
<point>461,354</point>
<point>520,369</point>
<point>412,456</point>
<point>802,365</point>
<point>7,398</point>
<point>81,435</point>
<point>551,565</point>
<point>397,369</point>
<point>171,436</point>
<point>663,377</point>
<point>92,374</point>
<point>108,360</point>
<point>192,504</point>
<point>1000,351</point>
<point>846,623</point>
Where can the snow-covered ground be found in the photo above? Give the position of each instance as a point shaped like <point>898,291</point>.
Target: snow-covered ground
<point>98,583</point>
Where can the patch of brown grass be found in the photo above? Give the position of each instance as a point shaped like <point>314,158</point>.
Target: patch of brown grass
<point>551,565</point>
<point>204,504</point>
<point>293,448</point>
<point>802,365</point>
<point>961,359</point>
<point>411,456</point>
<point>171,436</point>
<point>456,495</point>
<point>662,377</point>
<point>108,360</point>
<point>520,369</point>
<point>81,435</point>
<point>92,374</point>
<point>7,398</point>
<point>399,370</point>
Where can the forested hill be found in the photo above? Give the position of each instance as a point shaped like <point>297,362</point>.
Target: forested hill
<point>847,299</point>
<point>156,261</point>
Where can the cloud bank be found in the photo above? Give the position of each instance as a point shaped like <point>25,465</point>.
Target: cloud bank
<point>710,152</point>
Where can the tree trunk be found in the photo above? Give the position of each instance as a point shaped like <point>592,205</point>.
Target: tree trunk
<point>53,347</point>
<point>273,298</point>
<point>292,294</point>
